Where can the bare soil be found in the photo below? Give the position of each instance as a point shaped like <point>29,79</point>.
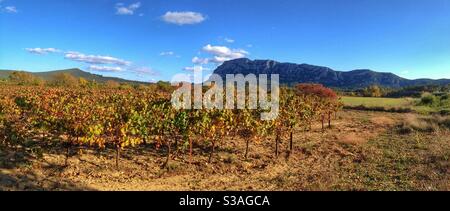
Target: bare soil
<point>362,151</point>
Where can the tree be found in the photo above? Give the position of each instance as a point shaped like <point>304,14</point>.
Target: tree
<point>24,78</point>
<point>373,91</point>
<point>64,79</point>
<point>316,90</point>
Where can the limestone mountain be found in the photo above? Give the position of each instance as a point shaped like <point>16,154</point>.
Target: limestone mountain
<point>291,74</point>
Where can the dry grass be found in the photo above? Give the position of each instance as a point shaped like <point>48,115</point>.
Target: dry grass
<point>426,124</point>
<point>361,152</point>
<point>383,121</point>
<point>352,139</point>
<point>416,123</point>
<point>409,162</point>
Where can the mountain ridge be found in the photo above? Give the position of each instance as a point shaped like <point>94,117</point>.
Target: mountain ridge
<point>47,75</point>
<point>292,74</point>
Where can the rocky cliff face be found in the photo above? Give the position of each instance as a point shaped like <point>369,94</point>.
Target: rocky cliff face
<point>291,74</point>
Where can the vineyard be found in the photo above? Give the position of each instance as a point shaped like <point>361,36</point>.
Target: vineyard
<point>107,118</point>
<point>131,138</point>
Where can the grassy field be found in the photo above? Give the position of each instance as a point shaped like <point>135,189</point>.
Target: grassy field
<point>375,102</point>
<point>388,103</point>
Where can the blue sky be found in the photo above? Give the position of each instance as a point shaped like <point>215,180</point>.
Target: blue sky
<point>155,39</point>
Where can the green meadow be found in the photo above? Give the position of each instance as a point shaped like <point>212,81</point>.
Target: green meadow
<point>378,102</point>
<point>389,103</point>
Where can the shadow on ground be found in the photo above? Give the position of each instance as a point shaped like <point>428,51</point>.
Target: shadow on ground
<point>17,172</point>
<point>17,181</point>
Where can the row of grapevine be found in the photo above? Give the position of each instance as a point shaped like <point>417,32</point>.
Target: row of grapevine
<point>118,119</point>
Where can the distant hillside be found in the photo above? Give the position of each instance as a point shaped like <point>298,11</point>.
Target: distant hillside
<point>291,74</point>
<point>74,72</point>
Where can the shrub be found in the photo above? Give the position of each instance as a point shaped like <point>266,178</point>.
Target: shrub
<point>426,124</point>
<point>125,87</point>
<point>64,79</point>
<point>83,82</point>
<point>445,122</point>
<point>428,100</point>
<point>414,123</point>
<point>405,129</point>
<point>24,78</point>
<point>164,86</point>
<point>316,90</point>
<point>372,91</point>
<point>444,112</point>
<point>112,84</point>
<point>445,103</point>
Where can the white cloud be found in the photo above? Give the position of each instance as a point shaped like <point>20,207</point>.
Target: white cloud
<point>197,60</point>
<point>92,59</point>
<point>105,68</point>
<point>140,71</point>
<point>228,40</point>
<point>221,59</point>
<point>42,50</point>
<point>8,9</point>
<point>183,18</point>
<point>222,53</point>
<point>11,9</point>
<point>122,9</point>
<point>144,71</point>
<point>167,53</point>
<point>135,5</point>
<point>196,68</point>
<point>98,63</point>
